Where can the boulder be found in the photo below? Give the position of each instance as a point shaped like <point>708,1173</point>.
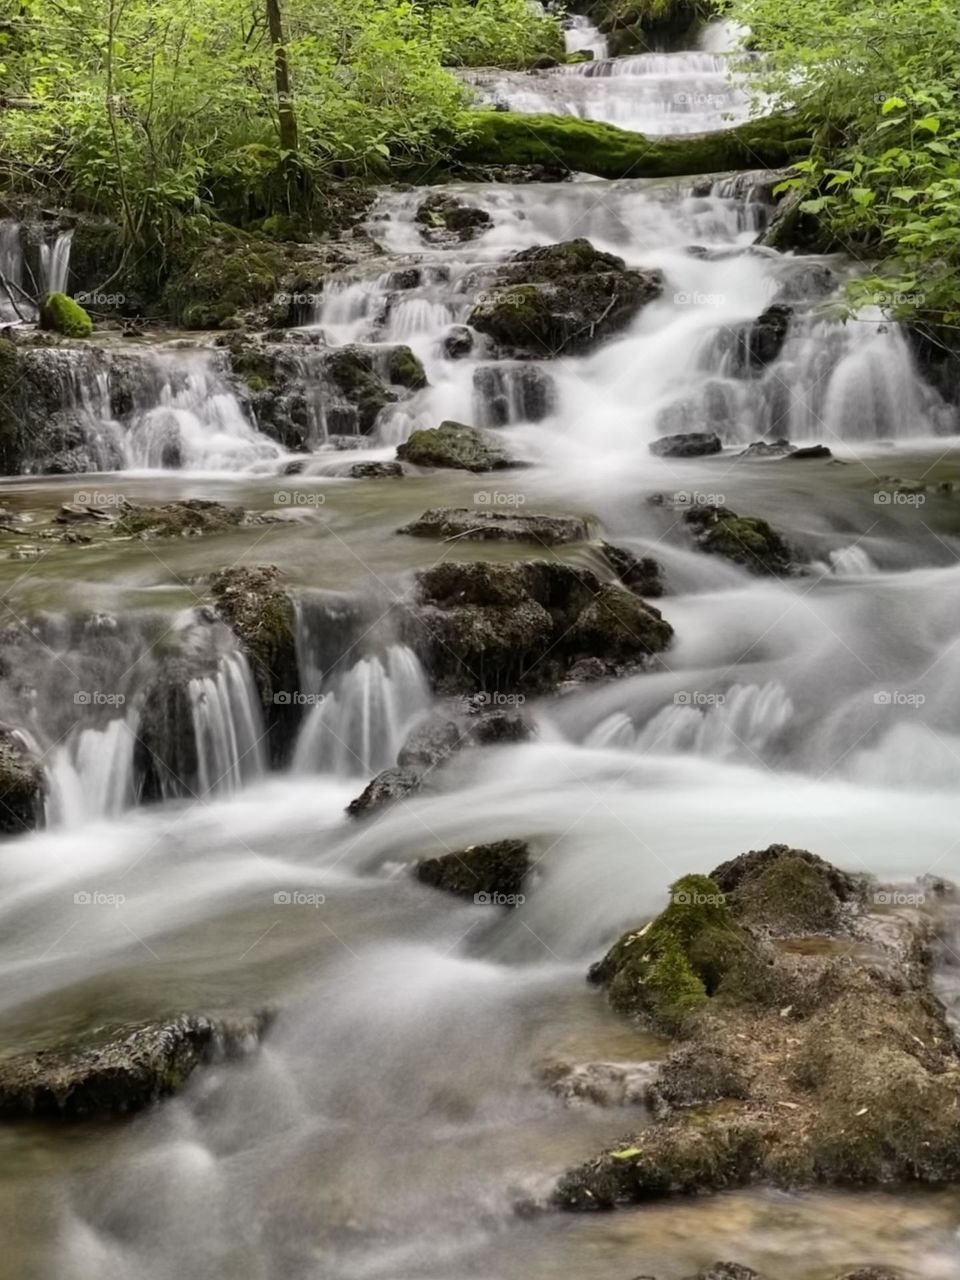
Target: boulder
<point>444,218</point>
<point>497,526</point>
<point>642,574</point>
<point>797,1060</point>
<point>120,1070</point>
<point>760,343</point>
<point>386,787</point>
<point>687,444</point>
<point>809,452</point>
<point>457,342</point>
<point>22,786</point>
<point>562,299</point>
<point>61,314</point>
<point>454,445</point>
<point>779,448</point>
<point>375,470</point>
<point>748,541</point>
<point>484,871</point>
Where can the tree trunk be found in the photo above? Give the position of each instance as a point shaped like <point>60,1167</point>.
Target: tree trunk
<point>286,114</point>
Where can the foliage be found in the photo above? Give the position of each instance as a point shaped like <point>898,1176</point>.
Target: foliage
<point>884,175</point>
<point>505,33</point>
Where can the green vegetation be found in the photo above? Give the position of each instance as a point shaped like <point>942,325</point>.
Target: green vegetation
<point>883,178</point>
<point>61,314</point>
<point>588,146</point>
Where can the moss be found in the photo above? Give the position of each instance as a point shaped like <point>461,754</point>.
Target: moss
<point>232,273</point>
<point>616,622</point>
<point>60,314</point>
<point>673,964</point>
<point>746,540</point>
<point>405,370</point>
<point>488,869</point>
<point>455,445</point>
<point>587,146</point>
<point>789,896</point>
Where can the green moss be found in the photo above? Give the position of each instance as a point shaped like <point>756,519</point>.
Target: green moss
<point>453,444</point>
<point>587,146</point>
<point>61,314</point>
<point>672,965</point>
<point>405,370</point>
<point>746,540</point>
<point>790,895</point>
<point>232,273</point>
<point>616,623</point>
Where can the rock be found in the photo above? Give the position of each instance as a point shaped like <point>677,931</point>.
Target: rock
<point>760,343</point>
<point>487,871</point>
<point>562,298</point>
<point>497,526</point>
<point>605,1084</point>
<point>642,574</point>
<point>375,470</point>
<point>494,728</point>
<point>490,627</point>
<point>22,786</point>
<point>794,1065</point>
<point>81,513</point>
<point>61,314</point>
<point>386,787</point>
<point>442,217</point>
<point>121,1070</point>
<point>513,393</point>
<point>231,274</point>
<point>746,540</point>
<point>811,451</point>
<point>189,518</point>
<point>688,444</point>
<point>254,603</point>
<point>429,743</point>
<point>767,449</point>
<point>405,370</point>
<point>457,342</point>
<point>871,1273</point>
<point>454,445</point>
<point>728,1271</point>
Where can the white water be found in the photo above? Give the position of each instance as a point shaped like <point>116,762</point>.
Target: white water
<point>228,726</point>
<point>55,262</point>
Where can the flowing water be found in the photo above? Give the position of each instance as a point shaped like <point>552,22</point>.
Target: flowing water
<point>395,1116</point>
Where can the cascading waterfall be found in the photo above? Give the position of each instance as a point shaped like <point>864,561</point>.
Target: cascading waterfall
<point>91,774</point>
<point>55,262</point>
<point>581,36</point>
<point>228,728</point>
<point>11,271</point>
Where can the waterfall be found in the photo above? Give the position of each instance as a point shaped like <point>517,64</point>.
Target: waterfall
<point>11,269</point>
<point>228,727</point>
<point>364,715</point>
<point>581,36</point>
<point>55,262</point>
<point>91,775</point>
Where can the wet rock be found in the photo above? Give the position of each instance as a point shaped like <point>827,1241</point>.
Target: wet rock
<point>497,526</point>
<point>189,518</point>
<point>759,344</point>
<point>495,728</point>
<point>429,743</point>
<point>512,393</point>
<point>767,449</point>
<point>405,370</point>
<point>489,627</point>
<point>687,444</point>
<point>795,1063</point>
<point>444,218</point>
<point>871,1273</point>
<point>490,871</point>
<point>604,1084</point>
<point>810,451</point>
<point>748,541</point>
<point>562,298</point>
<point>386,787</point>
<point>375,470</point>
<point>454,445</point>
<point>81,513</point>
<point>121,1070</point>
<point>641,574</point>
<point>21,786</point>
<point>255,604</point>
<point>60,314</point>
<point>457,342</point>
<point>728,1271</point>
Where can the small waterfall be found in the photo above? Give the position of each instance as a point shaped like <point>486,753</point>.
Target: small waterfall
<point>11,271</point>
<point>581,36</point>
<point>91,775</point>
<point>361,722</point>
<point>228,727</point>
<point>55,262</point>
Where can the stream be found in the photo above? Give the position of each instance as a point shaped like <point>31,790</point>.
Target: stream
<point>395,1117</point>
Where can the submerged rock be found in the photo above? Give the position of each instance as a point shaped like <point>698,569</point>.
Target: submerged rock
<point>604,1084</point>
<point>497,526</point>
<point>810,451</point>
<point>121,1071</point>
<point>386,787</point>
<point>798,1060</point>
<point>487,627</point>
<point>375,470</point>
<point>687,444</point>
<point>642,574</point>
<point>455,445</point>
<point>21,786</point>
<point>487,871</point>
<point>748,541</point>
<point>562,298</point>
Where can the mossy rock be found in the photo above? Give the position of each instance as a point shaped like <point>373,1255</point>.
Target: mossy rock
<point>672,965</point>
<point>231,274</point>
<point>491,870</point>
<point>616,623</point>
<point>10,448</point>
<point>789,896</point>
<point>588,146</point>
<point>454,445</point>
<point>22,786</point>
<point>748,541</point>
<point>405,370</point>
<point>60,314</point>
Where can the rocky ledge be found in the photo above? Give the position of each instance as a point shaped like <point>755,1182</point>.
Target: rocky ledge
<point>807,1045</point>
<point>122,1070</point>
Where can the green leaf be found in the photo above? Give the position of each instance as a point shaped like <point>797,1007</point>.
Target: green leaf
<point>904,193</point>
<point>930,123</point>
<point>892,104</point>
<point>814,206</point>
<point>626,1154</point>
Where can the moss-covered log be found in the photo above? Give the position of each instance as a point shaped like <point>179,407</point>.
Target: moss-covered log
<point>589,146</point>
